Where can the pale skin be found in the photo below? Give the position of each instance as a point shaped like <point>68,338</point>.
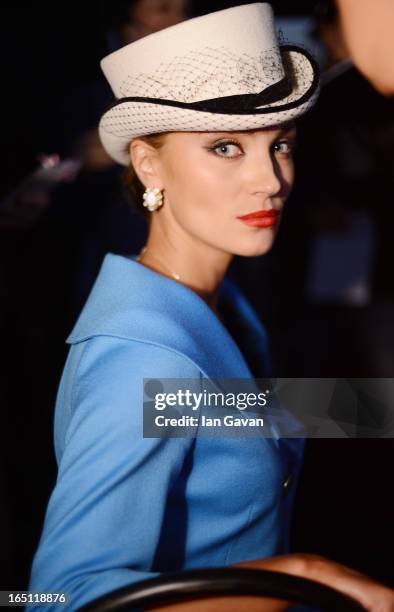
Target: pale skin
<point>368,31</point>
<point>208,180</point>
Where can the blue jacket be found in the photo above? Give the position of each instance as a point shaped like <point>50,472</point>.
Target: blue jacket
<point>124,507</point>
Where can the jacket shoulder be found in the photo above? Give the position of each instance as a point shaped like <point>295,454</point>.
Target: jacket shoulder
<point>136,355</point>
<point>120,368</point>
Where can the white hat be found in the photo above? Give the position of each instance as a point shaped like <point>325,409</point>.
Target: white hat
<point>224,71</point>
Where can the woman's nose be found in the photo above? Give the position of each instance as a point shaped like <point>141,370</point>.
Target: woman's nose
<point>264,176</point>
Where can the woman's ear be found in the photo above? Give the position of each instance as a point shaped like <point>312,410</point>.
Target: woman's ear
<point>144,158</point>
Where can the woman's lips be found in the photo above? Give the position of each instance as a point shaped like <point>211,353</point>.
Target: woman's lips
<point>261,218</point>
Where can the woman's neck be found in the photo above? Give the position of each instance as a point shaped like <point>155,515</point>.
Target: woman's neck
<point>202,270</point>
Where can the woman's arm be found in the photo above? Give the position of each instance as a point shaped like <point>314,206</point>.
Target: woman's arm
<point>104,517</point>
<point>373,596</point>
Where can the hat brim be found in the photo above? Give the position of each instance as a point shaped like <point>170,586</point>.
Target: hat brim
<point>129,119</point>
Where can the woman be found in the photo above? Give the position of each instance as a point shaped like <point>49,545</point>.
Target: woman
<point>205,113</point>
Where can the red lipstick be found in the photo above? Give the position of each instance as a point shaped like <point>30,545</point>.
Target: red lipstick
<point>261,218</point>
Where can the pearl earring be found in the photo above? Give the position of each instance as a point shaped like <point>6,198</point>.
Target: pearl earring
<point>153,198</point>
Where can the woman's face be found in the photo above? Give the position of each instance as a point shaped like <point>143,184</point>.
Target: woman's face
<point>211,179</point>
<point>155,15</point>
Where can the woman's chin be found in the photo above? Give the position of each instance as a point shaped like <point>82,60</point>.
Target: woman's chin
<point>254,249</point>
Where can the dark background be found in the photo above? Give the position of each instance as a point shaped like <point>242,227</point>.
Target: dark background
<point>47,50</point>
<point>345,504</point>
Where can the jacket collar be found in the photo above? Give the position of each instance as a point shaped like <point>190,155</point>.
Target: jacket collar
<point>131,301</point>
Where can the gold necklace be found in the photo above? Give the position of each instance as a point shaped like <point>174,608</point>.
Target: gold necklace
<point>175,276</point>
<point>144,250</point>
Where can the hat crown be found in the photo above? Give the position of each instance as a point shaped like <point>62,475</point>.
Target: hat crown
<point>224,71</point>
<point>230,52</point>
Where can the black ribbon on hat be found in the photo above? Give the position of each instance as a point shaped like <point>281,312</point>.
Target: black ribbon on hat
<point>244,104</point>
<point>225,104</point>
<point>247,102</point>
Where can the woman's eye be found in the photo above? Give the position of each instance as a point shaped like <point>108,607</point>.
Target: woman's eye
<point>284,147</point>
<point>227,149</point>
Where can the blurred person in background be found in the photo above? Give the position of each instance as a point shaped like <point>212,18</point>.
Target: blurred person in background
<point>368,30</point>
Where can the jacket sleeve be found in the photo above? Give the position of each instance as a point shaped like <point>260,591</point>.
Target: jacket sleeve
<point>104,515</point>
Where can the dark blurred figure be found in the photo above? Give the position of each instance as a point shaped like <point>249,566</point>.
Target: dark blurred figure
<point>333,279</point>
<point>55,228</point>
<point>108,221</point>
<point>332,309</point>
